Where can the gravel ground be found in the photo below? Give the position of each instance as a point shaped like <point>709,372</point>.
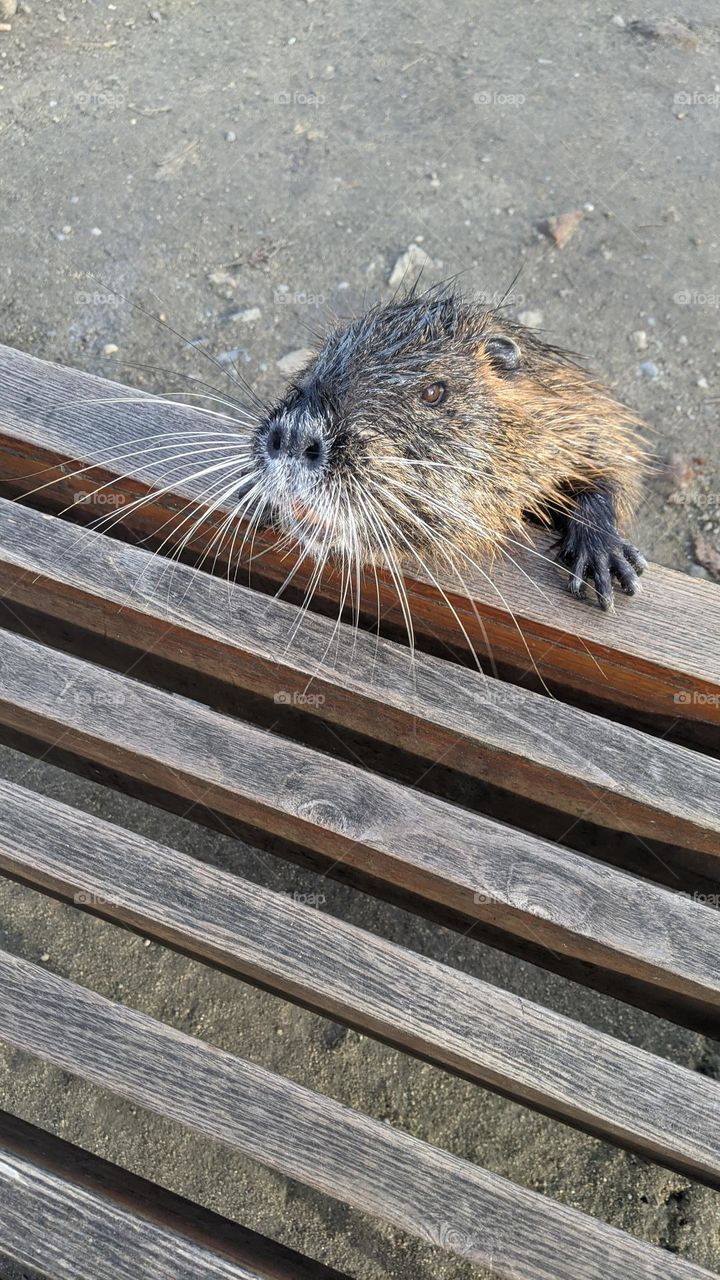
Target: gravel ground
<point>249,172</point>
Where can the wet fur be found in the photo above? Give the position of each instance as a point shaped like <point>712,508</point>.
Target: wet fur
<point>523,431</point>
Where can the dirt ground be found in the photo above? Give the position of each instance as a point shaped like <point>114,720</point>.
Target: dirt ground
<point>248,172</point>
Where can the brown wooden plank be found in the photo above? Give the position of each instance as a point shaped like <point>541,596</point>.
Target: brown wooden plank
<point>528,744</point>
<point>367,1164</point>
<point>485,1034</point>
<point>74,1216</point>
<point>527,888</point>
<point>659,654</point>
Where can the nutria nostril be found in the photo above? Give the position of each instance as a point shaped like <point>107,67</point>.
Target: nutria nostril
<point>275,442</point>
<point>313,450</point>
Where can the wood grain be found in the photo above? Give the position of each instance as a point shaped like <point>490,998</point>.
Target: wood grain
<point>485,1034</point>
<point>523,886</point>
<point>374,1168</point>
<point>72,1216</point>
<point>528,744</point>
<point>659,654</point>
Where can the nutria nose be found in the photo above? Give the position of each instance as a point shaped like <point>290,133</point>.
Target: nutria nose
<point>304,444</point>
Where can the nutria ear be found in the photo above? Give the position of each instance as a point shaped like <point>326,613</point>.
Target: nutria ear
<point>503,354</point>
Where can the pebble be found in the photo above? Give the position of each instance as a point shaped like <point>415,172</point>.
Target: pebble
<point>697,571</point>
<point>45,957</point>
<point>703,384</point>
<point>640,339</point>
<point>248,315</point>
<point>618,20</point>
<point>333,1035</point>
<point>294,361</point>
<point>231,357</point>
<point>8,9</point>
<point>110,349</point>
<point>649,369</point>
<point>531,319</point>
<point>95,231</point>
<point>409,265</point>
<point>230,135</point>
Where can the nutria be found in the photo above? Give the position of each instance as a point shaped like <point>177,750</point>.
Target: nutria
<point>431,429</point>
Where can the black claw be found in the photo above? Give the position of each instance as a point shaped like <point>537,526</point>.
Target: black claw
<point>603,582</point>
<point>635,558</point>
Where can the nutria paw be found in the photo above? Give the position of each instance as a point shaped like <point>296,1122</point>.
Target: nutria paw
<point>593,550</point>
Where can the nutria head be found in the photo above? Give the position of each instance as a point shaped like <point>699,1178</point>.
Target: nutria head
<point>383,446</point>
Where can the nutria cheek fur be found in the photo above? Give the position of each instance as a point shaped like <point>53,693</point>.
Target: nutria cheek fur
<point>432,429</point>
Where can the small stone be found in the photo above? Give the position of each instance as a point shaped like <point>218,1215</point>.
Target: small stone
<point>45,957</point>
<point>561,228</point>
<point>247,316</point>
<point>110,349</point>
<point>24,9</point>
<point>295,361</point>
<point>230,357</point>
<point>703,384</point>
<point>649,369</point>
<point>8,9</point>
<point>230,135</point>
<point>333,1035</point>
<point>706,555</point>
<point>618,20</point>
<point>409,265</point>
<point>679,471</point>
<point>640,340</point>
<point>155,16</point>
<point>697,571</point>
<point>531,319</point>
<point>95,231</point>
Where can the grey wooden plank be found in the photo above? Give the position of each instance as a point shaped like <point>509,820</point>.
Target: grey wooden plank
<point>528,888</point>
<point>531,745</point>
<point>658,654</point>
<point>377,1169</point>
<point>72,1216</point>
<point>539,1057</point>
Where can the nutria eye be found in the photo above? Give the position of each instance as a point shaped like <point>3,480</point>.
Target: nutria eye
<point>434,394</point>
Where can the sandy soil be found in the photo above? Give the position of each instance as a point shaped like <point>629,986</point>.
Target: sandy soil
<point>249,171</point>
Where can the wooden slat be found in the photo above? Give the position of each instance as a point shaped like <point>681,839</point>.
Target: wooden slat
<point>659,654</point>
<point>485,1034</point>
<point>73,1216</point>
<point>528,889</point>
<point>528,744</point>
<point>342,1153</point>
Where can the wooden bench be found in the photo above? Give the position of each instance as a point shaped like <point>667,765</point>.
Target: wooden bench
<point>628,743</point>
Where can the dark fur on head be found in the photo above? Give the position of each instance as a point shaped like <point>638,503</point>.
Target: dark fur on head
<point>429,429</point>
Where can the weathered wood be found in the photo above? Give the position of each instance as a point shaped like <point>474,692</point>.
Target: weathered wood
<point>659,655</point>
<point>528,744</point>
<point>485,1034</point>
<point>375,1168</point>
<point>526,887</point>
<point>73,1216</point>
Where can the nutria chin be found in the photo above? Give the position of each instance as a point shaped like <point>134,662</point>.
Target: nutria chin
<point>431,429</point>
